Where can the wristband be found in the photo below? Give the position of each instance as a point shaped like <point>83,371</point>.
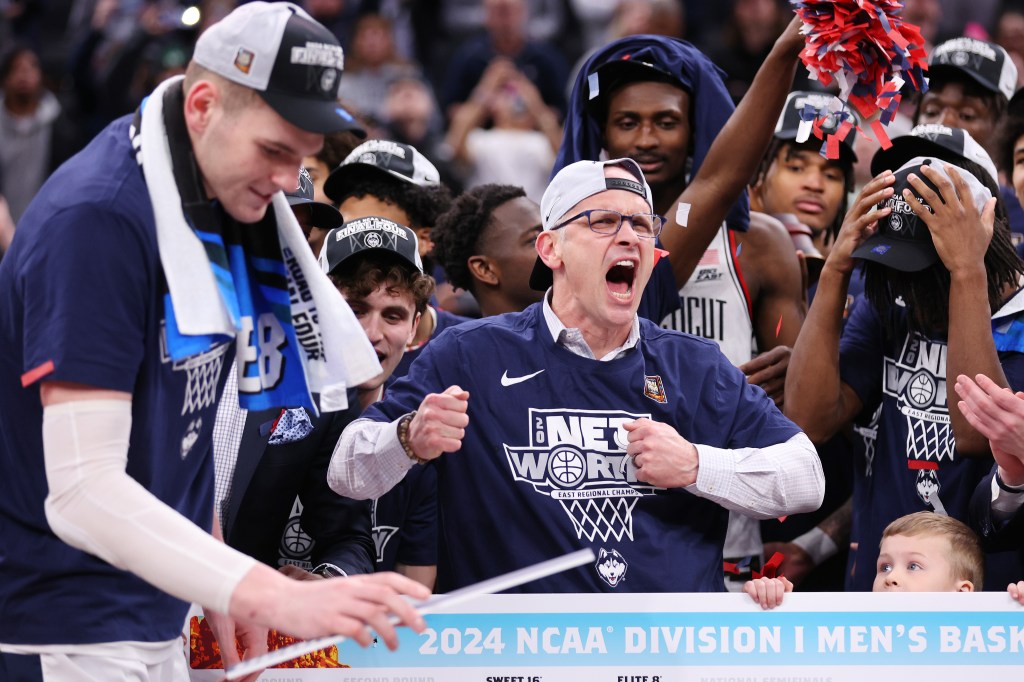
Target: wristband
<point>329,571</point>
<point>1006,486</point>
<point>1006,500</point>
<point>403,437</point>
<point>817,544</point>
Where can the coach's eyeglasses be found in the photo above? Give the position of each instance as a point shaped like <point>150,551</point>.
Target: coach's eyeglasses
<point>606,221</point>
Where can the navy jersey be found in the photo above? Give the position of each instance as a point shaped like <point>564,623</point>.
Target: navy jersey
<point>909,462</point>
<point>81,301</point>
<point>405,521</point>
<point>543,471</point>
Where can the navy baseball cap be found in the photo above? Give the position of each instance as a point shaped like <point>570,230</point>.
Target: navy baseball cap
<point>369,234</point>
<point>293,62</point>
<point>324,216</point>
<point>903,240</point>
<point>804,103</point>
<point>987,64</point>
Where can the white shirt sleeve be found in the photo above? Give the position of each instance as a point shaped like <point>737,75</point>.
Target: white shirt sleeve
<point>763,483</point>
<point>368,461</point>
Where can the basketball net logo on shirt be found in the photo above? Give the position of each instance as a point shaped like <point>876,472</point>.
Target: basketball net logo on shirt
<point>869,435</point>
<point>917,379</point>
<point>578,457</point>
<point>203,372</point>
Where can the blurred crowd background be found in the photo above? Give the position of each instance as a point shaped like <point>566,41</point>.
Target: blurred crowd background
<point>68,67</point>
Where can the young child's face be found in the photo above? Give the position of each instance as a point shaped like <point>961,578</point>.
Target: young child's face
<point>916,564</point>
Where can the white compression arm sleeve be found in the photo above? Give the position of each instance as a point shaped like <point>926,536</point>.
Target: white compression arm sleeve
<point>95,506</point>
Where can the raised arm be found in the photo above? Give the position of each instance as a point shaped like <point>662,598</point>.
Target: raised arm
<point>961,238</point>
<point>816,399</point>
<point>780,306</point>
<point>733,156</point>
<point>474,112</point>
<point>545,117</point>
<point>998,414</point>
<point>6,226</point>
<point>768,255</point>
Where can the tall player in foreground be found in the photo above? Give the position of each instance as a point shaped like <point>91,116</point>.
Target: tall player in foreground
<point>114,354</point>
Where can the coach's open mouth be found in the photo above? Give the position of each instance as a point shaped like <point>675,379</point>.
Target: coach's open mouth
<point>620,278</point>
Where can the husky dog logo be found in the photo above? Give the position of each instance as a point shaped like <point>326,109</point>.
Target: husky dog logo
<point>611,566</point>
<point>191,436</point>
<point>328,79</point>
<point>928,487</point>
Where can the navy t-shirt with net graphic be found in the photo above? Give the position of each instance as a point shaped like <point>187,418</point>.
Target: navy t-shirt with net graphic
<point>909,462</point>
<point>542,470</point>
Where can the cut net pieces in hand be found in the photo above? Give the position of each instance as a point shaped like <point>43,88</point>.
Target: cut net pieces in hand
<point>869,52</point>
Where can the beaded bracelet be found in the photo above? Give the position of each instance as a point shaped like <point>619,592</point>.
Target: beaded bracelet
<point>403,437</point>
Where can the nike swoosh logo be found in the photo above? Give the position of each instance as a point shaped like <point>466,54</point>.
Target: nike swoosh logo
<point>506,380</point>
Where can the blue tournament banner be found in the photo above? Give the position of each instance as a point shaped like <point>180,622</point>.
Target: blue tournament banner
<point>812,637</point>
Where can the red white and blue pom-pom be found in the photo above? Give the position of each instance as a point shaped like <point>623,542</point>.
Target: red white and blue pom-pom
<point>869,52</point>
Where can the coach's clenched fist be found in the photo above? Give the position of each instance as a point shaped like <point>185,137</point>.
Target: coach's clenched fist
<point>440,423</point>
<point>662,457</point>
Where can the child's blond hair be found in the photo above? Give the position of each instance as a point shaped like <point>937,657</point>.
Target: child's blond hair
<point>966,559</point>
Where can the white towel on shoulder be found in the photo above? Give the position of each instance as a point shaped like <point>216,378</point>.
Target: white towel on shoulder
<point>342,355</point>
